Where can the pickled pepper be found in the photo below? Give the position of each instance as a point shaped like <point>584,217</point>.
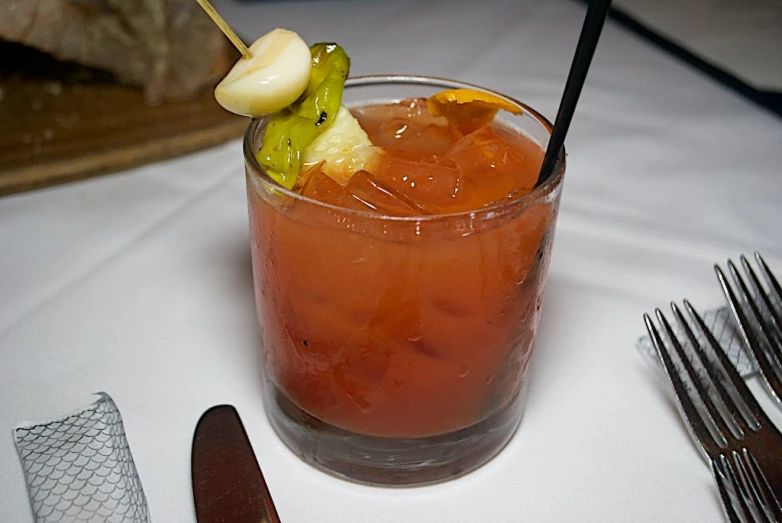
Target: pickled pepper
<point>291,130</point>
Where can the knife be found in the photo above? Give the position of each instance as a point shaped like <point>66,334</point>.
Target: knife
<point>228,486</point>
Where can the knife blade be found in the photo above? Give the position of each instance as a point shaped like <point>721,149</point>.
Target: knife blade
<point>228,486</point>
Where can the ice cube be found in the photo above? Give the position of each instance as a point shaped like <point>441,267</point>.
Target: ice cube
<point>365,187</point>
<point>306,174</point>
<point>431,182</point>
<point>407,126</point>
<point>416,136</point>
<point>359,373</point>
<point>319,186</point>
<point>530,149</point>
<point>487,151</point>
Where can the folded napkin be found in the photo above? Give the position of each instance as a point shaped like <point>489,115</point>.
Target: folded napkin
<point>79,468</point>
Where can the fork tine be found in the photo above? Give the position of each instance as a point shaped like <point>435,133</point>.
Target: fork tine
<point>727,502</point>
<point>740,495</point>
<point>772,324</point>
<point>753,414</point>
<point>696,423</point>
<point>768,329</point>
<point>730,424</point>
<point>746,495</point>
<point>773,284</point>
<point>748,332</point>
<point>750,490</point>
<point>772,503</point>
<point>750,339</point>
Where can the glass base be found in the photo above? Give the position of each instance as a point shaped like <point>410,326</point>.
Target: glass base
<point>391,461</point>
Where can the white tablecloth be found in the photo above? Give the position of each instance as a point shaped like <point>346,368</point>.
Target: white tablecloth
<point>139,284</point>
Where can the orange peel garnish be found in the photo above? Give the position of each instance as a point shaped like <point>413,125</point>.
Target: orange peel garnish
<point>467,109</point>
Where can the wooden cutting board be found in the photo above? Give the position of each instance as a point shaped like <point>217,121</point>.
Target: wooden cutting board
<point>61,122</point>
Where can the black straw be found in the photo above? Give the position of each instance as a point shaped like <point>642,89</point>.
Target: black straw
<point>587,42</point>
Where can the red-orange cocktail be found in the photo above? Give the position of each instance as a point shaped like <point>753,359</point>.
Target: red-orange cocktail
<point>398,309</point>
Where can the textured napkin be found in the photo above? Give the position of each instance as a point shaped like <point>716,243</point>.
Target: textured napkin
<point>79,468</point>
<point>721,324</point>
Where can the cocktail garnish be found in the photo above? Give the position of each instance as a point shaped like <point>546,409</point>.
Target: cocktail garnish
<point>275,77</point>
<point>467,109</point>
<point>272,73</point>
<point>344,146</point>
<point>292,129</point>
<point>301,90</point>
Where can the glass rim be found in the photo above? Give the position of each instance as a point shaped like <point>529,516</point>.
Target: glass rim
<point>259,175</point>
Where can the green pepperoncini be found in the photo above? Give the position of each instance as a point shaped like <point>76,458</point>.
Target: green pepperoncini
<point>292,129</point>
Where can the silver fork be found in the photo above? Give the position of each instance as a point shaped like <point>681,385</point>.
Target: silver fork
<point>741,496</point>
<point>759,322</point>
<point>726,423</point>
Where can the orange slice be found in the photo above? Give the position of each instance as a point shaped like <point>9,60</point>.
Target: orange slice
<point>468,110</point>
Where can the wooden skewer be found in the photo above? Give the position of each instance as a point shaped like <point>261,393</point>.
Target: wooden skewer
<point>225,28</point>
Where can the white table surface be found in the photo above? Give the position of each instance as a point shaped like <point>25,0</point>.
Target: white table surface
<point>139,284</point>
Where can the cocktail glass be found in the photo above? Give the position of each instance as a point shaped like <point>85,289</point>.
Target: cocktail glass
<point>395,349</point>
